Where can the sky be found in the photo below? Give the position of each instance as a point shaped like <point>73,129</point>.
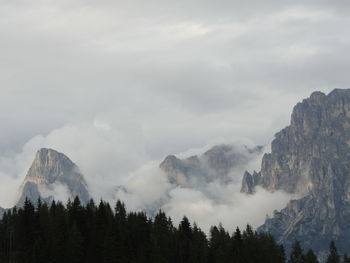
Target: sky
<point>117,85</point>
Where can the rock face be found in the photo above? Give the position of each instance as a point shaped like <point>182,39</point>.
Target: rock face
<point>311,159</point>
<point>51,175</point>
<point>215,164</point>
<point>249,182</point>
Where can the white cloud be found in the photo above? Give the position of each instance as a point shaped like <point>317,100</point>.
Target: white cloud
<point>207,204</point>
<point>238,210</point>
<point>57,191</point>
<point>105,155</point>
<point>113,85</point>
<point>144,189</point>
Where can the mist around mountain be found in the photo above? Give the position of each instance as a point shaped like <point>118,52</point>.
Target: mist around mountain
<point>203,186</point>
<point>310,159</point>
<point>308,163</point>
<point>221,162</point>
<point>53,175</point>
<point>210,195</point>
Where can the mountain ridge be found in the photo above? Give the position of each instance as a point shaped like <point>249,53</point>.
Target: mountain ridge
<point>214,164</point>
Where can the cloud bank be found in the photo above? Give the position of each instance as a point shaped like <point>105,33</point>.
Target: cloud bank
<point>207,204</point>
<point>115,86</point>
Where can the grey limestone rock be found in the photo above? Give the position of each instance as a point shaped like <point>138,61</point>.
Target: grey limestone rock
<point>311,159</point>
<point>49,169</point>
<point>249,182</point>
<point>215,164</point>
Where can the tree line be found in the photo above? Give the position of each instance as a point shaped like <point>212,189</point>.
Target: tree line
<point>75,233</point>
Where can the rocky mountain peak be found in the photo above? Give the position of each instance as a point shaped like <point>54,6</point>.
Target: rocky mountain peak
<point>48,165</point>
<point>214,164</point>
<point>170,162</point>
<point>311,159</point>
<point>318,133</point>
<point>49,170</point>
<point>317,97</point>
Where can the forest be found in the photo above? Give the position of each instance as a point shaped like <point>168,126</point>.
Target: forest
<point>75,233</point>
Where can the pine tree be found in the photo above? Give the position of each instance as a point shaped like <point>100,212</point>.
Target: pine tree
<point>333,256</point>
<point>120,231</point>
<point>346,259</point>
<point>76,233</point>
<point>199,252</point>
<point>310,257</point>
<point>237,246</point>
<point>296,255</point>
<point>162,239</point>
<point>104,220</point>
<point>219,242</point>
<point>184,241</point>
<point>59,221</point>
<point>74,245</point>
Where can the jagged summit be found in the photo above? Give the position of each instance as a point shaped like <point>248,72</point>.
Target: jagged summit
<point>311,159</point>
<point>48,165</point>
<point>319,130</point>
<point>51,169</point>
<point>214,164</point>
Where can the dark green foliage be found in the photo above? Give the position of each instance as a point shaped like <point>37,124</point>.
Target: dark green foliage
<point>260,247</point>
<point>220,245</point>
<point>333,256</point>
<point>162,239</point>
<point>310,257</point>
<point>346,259</point>
<point>296,256</point>
<point>75,233</point>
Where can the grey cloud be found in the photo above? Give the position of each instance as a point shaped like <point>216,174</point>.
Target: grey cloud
<point>164,76</point>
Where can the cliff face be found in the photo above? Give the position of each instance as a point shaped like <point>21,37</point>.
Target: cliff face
<point>311,159</point>
<point>49,170</point>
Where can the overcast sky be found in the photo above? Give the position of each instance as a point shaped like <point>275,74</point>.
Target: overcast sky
<point>116,84</point>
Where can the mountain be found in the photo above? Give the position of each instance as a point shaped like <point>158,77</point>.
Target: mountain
<point>311,160</point>
<point>215,164</point>
<point>53,175</point>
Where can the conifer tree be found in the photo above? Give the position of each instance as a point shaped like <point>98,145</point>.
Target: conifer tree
<point>200,246</point>
<point>162,239</point>
<point>237,246</point>
<point>219,242</point>
<point>310,257</point>
<point>296,255</point>
<point>333,256</point>
<point>346,259</point>
<point>184,241</point>
<point>74,245</point>
<point>78,233</point>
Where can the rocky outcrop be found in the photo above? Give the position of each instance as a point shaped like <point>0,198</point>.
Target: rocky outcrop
<point>249,182</point>
<point>215,164</point>
<point>178,170</point>
<point>311,159</point>
<point>49,171</point>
